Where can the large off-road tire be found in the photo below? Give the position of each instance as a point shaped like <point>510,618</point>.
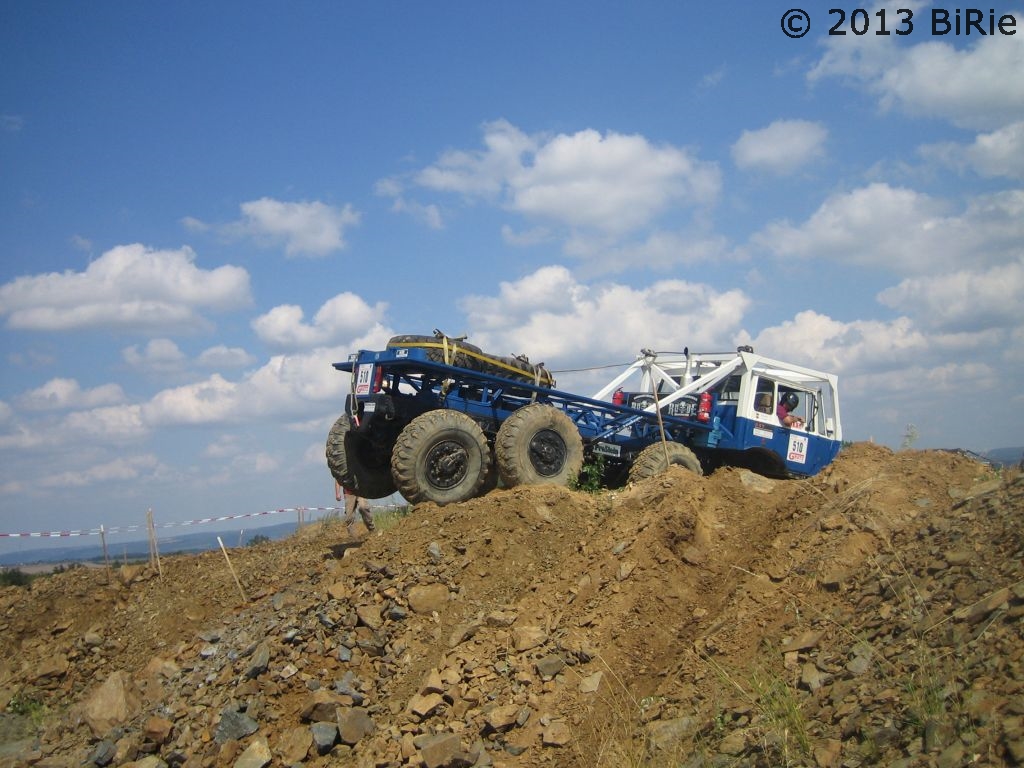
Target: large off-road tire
<point>538,444</point>
<point>652,460</point>
<point>491,479</point>
<point>356,463</point>
<point>441,456</point>
<point>435,346</point>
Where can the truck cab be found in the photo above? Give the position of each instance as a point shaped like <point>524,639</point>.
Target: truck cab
<point>734,398</point>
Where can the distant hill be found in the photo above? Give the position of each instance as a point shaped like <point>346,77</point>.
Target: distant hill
<point>1006,456</point>
<point>133,550</point>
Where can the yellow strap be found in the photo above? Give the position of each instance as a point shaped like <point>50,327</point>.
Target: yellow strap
<point>497,363</point>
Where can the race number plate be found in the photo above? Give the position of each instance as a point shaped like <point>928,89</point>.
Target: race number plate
<point>364,377</point>
<point>797,449</point>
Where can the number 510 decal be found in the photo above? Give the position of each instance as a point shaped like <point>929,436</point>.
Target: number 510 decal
<point>363,379</point>
<point>797,449</point>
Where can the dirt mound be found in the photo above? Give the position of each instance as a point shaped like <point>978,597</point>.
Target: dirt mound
<point>868,616</point>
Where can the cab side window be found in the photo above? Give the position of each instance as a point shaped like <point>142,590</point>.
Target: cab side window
<point>729,390</point>
<point>764,397</point>
<point>792,408</point>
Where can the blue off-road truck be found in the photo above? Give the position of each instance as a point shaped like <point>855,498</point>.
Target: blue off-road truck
<point>437,419</point>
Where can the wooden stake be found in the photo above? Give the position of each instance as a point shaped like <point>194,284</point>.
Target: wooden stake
<point>232,569</point>
<point>154,552</point>
<point>106,556</point>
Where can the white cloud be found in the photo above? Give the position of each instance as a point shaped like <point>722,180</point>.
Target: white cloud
<point>58,394</point>
<point>129,287</point>
<point>902,230</point>
<point>225,446</point>
<point>963,300</point>
<point>1014,350</point>
<point>211,401</point>
<point>429,214</point>
<point>222,356</point>
<point>22,438</point>
<point>193,224</point>
<point>781,147</point>
<point>819,341</point>
<point>660,251</point>
<point>342,317</point>
<point>552,317</point>
<point>115,422</point>
<point>314,454</point>
<point>866,351</point>
<point>127,468</point>
<point>285,387</point>
<point>32,358</point>
<point>158,356</point>
<point>311,228</point>
<point>259,463</point>
<point>481,173</point>
<point>892,373</point>
<point>526,237</point>
<point>999,153</point>
<point>970,87</point>
<point>611,183</point>
<point>164,356</point>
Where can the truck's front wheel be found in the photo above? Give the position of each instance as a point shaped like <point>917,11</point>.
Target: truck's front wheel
<point>657,457</point>
<point>441,456</point>
<point>538,444</point>
<point>357,463</point>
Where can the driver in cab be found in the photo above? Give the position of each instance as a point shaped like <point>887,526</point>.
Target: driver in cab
<point>787,404</point>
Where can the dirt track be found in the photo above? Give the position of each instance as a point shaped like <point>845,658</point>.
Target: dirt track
<point>868,616</point>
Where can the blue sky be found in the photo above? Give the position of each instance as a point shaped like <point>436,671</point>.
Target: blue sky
<point>204,205</point>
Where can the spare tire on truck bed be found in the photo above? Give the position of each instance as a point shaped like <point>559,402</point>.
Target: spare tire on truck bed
<point>519,369</point>
<point>441,349</point>
<point>458,352</point>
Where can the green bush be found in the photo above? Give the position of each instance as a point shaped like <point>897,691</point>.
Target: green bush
<point>591,479</point>
<point>14,577</point>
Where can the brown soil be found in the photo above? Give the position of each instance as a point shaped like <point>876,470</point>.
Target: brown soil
<point>868,616</point>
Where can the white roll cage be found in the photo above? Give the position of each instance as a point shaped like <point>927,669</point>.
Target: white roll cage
<point>670,377</point>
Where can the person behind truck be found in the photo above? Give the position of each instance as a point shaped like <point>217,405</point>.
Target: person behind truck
<point>353,503</point>
<point>787,404</point>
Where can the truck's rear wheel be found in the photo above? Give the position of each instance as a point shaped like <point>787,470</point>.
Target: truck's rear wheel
<point>538,444</point>
<point>653,460</point>
<point>441,456</point>
<point>356,463</point>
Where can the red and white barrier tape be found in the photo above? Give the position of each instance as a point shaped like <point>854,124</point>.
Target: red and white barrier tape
<point>134,528</point>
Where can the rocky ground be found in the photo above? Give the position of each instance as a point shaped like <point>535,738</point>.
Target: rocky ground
<point>871,615</point>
